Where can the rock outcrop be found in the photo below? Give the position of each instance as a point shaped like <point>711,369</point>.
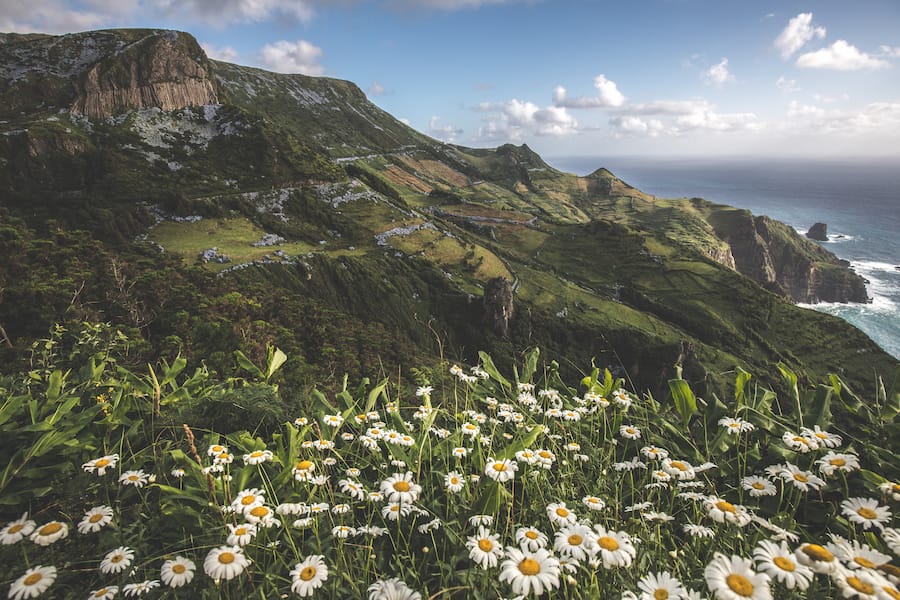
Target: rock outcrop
<point>498,305</point>
<point>818,232</point>
<point>165,69</point>
<point>774,255</point>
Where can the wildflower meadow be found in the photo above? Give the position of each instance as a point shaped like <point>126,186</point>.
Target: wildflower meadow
<point>445,482</point>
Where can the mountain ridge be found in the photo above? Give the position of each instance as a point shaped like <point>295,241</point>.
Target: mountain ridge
<point>348,188</point>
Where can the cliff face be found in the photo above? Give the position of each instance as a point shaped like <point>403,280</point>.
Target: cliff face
<point>167,70</point>
<point>775,256</point>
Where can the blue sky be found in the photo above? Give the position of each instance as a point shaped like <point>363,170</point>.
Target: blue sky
<point>568,77</point>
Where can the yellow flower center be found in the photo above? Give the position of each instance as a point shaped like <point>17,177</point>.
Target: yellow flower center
<point>575,539</point>
<point>96,518</point>
<point>867,513</point>
<point>896,488</point>
<point>485,545</point>
<point>821,435</point>
<point>629,431</point>
<point>117,558</point>
<point>395,508</point>
<point>223,456</point>
<point>545,454</point>
<point>890,569</point>
<point>259,511</point>
<point>304,465</point>
<point>240,531</point>
<point>529,567</point>
<point>531,535</point>
<point>499,466</point>
<point>817,552</point>
<point>837,462</point>
<point>562,512</point>
<point>740,585</point>
<point>15,528</point>
<point>608,543</point>
<point>401,486</point>
<point>454,480</point>
<point>801,440</point>
<point>226,558</point>
<point>864,562</point>
<point>100,593</point>
<point>50,528</point>
<point>217,449</point>
<point>757,485</point>
<point>801,477</point>
<point>178,568</point>
<point>678,465</point>
<point>891,592</point>
<point>660,594</point>
<point>33,579</point>
<point>101,463</point>
<point>256,454</point>
<point>785,564</point>
<point>248,499</point>
<point>308,573</point>
<point>725,506</point>
<point>860,586</point>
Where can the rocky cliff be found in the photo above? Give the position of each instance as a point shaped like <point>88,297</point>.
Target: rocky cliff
<point>166,70</point>
<point>774,255</point>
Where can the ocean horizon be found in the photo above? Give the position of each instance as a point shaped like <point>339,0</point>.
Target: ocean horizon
<point>857,198</point>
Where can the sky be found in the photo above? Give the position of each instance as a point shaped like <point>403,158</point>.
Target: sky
<point>819,78</point>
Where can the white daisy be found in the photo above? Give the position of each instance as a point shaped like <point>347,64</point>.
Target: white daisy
<point>240,535</point>
<point>95,519</point>
<point>679,469</point>
<point>559,514</point>
<point>117,560</point>
<point>392,589</point>
<point>454,482</point>
<point>133,590</point>
<point>891,537</point>
<point>758,486</point>
<point>593,502</point>
<point>802,480</point>
<point>660,586</point>
<point>733,578</point>
<point>105,593</point>
<point>722,511</point>
<point>654,453</point>
<point>17,530</point>
<point>500,470</point>
<point>49,533</point>
<point>257,457</point>
<point>137,478</point>
<point>530,539</point>
<point>816,557</point>
<point>34,582</point>
<point>615,547</point>
<point>575,541</point>
<point>856,555</point>
<point>630,432</point>
<point>799,443</point>
<point>858,584</point>
<point>533,572</point>
<point>225,562</point>
<point>735,425</point>
<point>177,572</point>
<point>100,465</point>
<point>837,461</point>
<point>866,512</point>
<point>308,575</point>
<point>822,437</point>
<point>777,561</point>
<point>400,487</point>
<point>484,548</point>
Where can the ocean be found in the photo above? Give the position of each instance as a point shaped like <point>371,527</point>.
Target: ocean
<point>858,199</point>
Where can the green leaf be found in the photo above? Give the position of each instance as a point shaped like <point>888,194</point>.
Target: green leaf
<point>170,372</point>
<point>247,364</point>
<point>488,365</point>
<point>520,444</point>
<point>376,391</point>
<point>275,359</point>
<point>530,366</point>
<point>685,402</point>
<point>740,385</point>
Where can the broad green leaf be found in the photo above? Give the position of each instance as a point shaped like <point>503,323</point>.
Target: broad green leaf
<point>488,365</point>
<point>520,444</point>
<point>685,402</point>
<point>276,358</point>
<point>247,364</point>
<point>530,366</point>
<point>740,385</point>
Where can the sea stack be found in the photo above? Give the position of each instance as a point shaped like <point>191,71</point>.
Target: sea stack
<point>818,231</point>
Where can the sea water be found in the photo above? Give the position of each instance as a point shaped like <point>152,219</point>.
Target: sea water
<point>859,200</point>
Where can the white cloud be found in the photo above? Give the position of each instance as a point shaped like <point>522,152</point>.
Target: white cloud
<point>225,53</point>
<point>49,16</point>
<point>679,117</point>
<point>787,85</point>
<point>515,120</point>
<point>840,56</point>
<point>608,95</point>
<point>450,4</point>
<point>798,32</point>
<point>223,12</point>
<point>292,57</point>
<point>445,133</point>
<point>889,51</point>
<point>876,118</point>
<point>636,126</point>
<point>718,74</point>
<point>376,89</point>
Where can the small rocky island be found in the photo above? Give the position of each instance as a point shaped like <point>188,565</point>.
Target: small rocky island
<point>818,232</point>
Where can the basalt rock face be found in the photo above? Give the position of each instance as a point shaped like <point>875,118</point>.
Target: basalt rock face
<point>774,255</point>
<point>498,305</point>
<point>166,70</point>
<point>819,231</point>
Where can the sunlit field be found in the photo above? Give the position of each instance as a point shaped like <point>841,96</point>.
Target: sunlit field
<point>455,482</point>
